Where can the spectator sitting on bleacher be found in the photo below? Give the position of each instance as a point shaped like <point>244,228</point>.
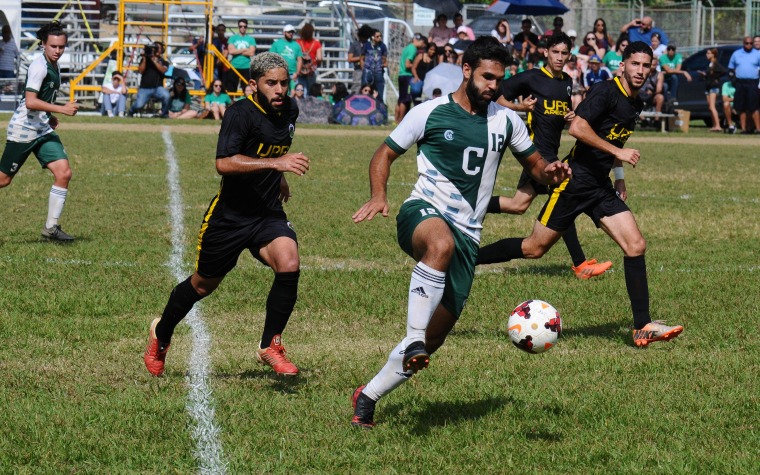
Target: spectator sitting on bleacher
<point>595,73</point>
<point>115,95</point>
<point>216,101</point>
<point>179,108</point>
<point>152,68</point>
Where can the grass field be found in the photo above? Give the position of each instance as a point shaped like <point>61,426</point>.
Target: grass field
<point>73,321</point>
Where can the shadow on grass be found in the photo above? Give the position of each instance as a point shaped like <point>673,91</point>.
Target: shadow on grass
<point>434,414</point>
<point>612,331</point>
<point>550,269</point>
<point>285,384</point>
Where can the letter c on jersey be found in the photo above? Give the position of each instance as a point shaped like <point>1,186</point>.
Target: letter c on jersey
<point>466,163</point>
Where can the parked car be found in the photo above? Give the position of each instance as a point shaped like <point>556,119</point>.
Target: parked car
<point>691,94</point>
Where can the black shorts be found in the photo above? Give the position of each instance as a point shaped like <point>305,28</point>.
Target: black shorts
<point>538,188</point>
<point>222,240</point>
<point>746,96</point>
<point>566,202</point>
<point>404,91</point>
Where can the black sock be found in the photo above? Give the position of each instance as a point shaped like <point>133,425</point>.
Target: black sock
<point>574,246</point>
<point>493,205</point>
<point>501,251</point>
<point>181,300</point>
<point>280,303</point>
<point>638,289</point>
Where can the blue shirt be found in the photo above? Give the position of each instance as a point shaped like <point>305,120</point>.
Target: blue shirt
<point>746,63</point>
<point>635,34</point>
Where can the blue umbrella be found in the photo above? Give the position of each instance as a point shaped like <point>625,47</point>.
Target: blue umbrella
<point>528,7</point>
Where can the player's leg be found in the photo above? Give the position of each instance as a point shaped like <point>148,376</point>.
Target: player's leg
<point>622,228</point>
<point>13,158</point>
<point>51,155</point>
<point>281,254</point>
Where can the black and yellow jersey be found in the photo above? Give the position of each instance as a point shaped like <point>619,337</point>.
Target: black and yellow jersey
<point>612,113</point>
<point>546,121</point>
<point>249,129</point>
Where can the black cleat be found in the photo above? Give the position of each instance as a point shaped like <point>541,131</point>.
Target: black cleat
<point>415,357</point>
<point>364,409</point>
<point>56,234</point>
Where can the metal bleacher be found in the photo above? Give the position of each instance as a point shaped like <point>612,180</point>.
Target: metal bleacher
<point>93,27</point>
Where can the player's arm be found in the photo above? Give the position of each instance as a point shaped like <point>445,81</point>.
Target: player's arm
<point>379,171</point>
<point>240,164</point>
<point>581,130</point>
<point>544,172</point>
<point>33,102</point>
<point>619,172</point>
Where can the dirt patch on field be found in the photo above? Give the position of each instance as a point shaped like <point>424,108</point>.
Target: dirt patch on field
<point>212,128</point>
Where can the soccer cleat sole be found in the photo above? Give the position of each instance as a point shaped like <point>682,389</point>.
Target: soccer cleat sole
<point>644,342</point>
<point>417,363</point>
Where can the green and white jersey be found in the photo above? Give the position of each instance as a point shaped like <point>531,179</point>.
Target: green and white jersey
<point>458,155</point>
<point>28,125</point>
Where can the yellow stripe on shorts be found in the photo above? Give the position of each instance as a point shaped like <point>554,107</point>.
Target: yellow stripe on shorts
<point>553,201</point>
<point>204,226</point>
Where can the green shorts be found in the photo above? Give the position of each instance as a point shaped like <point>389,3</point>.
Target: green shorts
<point>461,270</point>
<point>47,149</point>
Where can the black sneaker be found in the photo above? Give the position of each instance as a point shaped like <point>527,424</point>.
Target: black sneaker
<point>415,357</point>
<point>56,234</point>
<point>364,409</point>
<point>731,130</point>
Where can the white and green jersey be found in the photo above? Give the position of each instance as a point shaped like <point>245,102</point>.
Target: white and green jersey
<point>27,125</point>
<point>458,155</point>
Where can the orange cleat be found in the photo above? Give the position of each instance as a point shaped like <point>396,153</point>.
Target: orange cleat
<point>155,357</point>
<point>590,268</point>
<point>655,331</point>
<point>274,356</point>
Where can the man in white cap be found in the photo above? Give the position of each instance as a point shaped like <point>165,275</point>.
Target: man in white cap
<point>289,49</point>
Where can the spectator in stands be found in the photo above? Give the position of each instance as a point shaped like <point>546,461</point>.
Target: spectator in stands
<point>712,76</point>
<point>312,55</point>
<point>652,91</point>
<point>355,56</point>
<point>338,93</point>
<point>670,64</point>
<point>727,96</point>
<point>405,75</point>
<point>8,55</point>
<point>502,32</point>
<point>449,54</point>
<point>576,75</point>
<point>299,93</point>
<point>220,42</point>
<point>641,29</point>
<point>198,47</point>
<point>241,48</point>
<point>152,69</point>
<point>572,34</point>
<point>440,34</point>
<point>525,41</point>
<point>614,57</point>
<point>181,100</point>
<point>424,62</point>
<point>657,47</point>
<point>374,61</point>
<point>217,100</point>
<point>595,73</point>
<point>459,22</point>
<point>315,91</point>
<point>289,49</point>
<point>558,24</point>
<point>589,48</point>
<point>743,66</point>
<point>115,95</point>
<point>368,90</point>
<point>604,40</point>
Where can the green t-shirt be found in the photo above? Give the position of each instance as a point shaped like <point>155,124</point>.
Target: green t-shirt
<point>409,52</point>
<point>612,60</point>
<point>290,50</point>
<point>240,61</point>
<point>177,104</point>
<point>671,63</point>
<point>222,98</point>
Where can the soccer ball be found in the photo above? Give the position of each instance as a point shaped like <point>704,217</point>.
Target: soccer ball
<point>534,326</point>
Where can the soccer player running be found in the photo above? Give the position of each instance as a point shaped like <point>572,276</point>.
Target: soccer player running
<point>32,127</point>
<point>546,100</point>
<point>603,122</point>
<point>251,155</point>
<point>460,140</point>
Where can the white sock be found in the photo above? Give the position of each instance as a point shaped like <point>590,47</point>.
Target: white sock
<point>390,377</point>
<point>425,293</point>
<point>55,205</point>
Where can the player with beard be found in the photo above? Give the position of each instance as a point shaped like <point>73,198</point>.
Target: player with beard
<point>251,155</point>
<point>546,100</point>
<point>460,140</point>
<point>603,122</point>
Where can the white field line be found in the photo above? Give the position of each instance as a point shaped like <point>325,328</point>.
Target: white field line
<point>200,401</point>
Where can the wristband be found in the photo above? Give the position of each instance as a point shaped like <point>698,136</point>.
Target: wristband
<point>619,173</point>
<point>493,205</point>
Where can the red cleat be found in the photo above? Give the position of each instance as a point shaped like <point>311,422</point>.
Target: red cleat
<point>155,357</point>
<point>590,268</point>
<point>274,356</point>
